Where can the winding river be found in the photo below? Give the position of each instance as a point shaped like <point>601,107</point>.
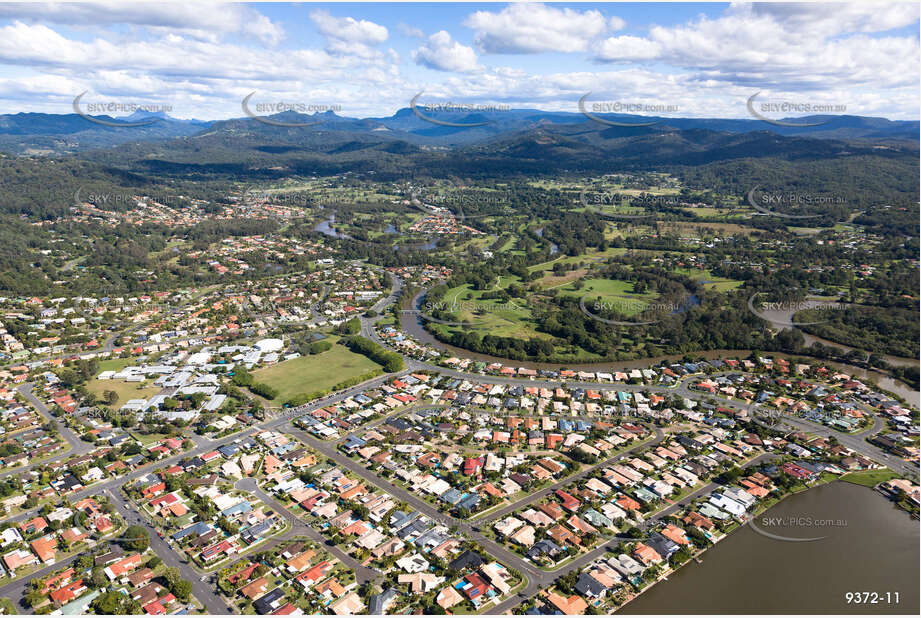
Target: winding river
<point>412,324</point>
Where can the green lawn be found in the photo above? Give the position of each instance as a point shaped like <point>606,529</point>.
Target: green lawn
<point>125,390</point>
<point>711,282</point>
<point>115,364</point>
<point>869,478</point>
<point>503,319</point>
<point>316,372</point>
<point>618,293</point>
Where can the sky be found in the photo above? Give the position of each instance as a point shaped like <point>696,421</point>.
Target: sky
<point>199,60</point>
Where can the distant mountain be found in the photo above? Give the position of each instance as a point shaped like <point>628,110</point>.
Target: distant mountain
<point>499,122</point>
<point>68,133</point>
<point>33,133</point>
<point>319,144</point>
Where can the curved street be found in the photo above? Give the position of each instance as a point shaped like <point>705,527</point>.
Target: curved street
<point>537,578</point>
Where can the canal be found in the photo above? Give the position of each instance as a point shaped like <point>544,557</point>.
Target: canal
<point>870,546</point>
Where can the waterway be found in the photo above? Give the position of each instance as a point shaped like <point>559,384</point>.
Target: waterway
<point>326,227</point>
<point>413,325</point>
<point>872,546</point>
<point>783,318</point>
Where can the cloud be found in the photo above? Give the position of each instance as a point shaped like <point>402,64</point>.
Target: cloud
<point>410,31</point>
<point>349,36</point>
<point>205,20</point>
<point>779,46</point>
<point>442,53</point>
<point>532,28</point>
<point>708,66</point>
<point>844,18</point>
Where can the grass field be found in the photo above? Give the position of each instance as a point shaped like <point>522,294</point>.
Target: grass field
<point>720,284</point>
<point>496,317</point>
<point>618,293</point>
<point>125,390</point>
<point>317,372</point>
<point>869,478</point>
<point>115,364</point>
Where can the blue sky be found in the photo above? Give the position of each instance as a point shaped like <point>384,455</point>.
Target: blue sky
<point>702,59</point>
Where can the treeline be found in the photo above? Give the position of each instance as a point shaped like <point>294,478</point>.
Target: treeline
<point>883,331</point>
<point>242,377</point>
<point>391,361</point>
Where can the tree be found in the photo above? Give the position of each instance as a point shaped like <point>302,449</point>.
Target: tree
<point>113,602</point>
<point>172,575</point>
<point>136,538</point>
<point>110,397</point>
<point>98,577</point>
<point>182,589</point>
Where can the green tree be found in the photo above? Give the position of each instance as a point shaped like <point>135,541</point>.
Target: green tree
<point>136,538</point>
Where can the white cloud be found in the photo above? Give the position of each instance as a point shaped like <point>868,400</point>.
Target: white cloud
<point>626,48</point>
<point>776,47</point>
<point>531,28</point>
<point>830,20</point>
<point>349,36</point>
<point>443,53</point>
<point>410,31</point>
<point>205,20</point>
<point>709,66</point>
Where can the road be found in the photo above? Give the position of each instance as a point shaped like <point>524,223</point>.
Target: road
<point>203,591</point>
<point>300,528</point>
<point>537,579</point>
<point>76,446</point>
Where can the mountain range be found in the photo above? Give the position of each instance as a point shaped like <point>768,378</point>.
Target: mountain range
<point>40,133</point>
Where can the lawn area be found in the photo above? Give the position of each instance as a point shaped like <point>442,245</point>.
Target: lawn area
<point>618,293</point>
<point>497,317</point>
<point>589,256</point>
<point>115,364</point>
<point>315,372</point>
<point>869,478</point>
<point>720,284</point>
<point>125,390</point>
<point>148,438</point>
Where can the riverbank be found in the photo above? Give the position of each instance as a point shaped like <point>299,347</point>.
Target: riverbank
<point>411,325</point>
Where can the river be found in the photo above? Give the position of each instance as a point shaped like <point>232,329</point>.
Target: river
<point>783,318</point>
<point>873,549</point>
<point>413,325</point>
<point>326,227</point>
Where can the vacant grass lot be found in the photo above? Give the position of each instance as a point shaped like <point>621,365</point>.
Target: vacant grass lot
<point>869,478</point>
<point>125,390</point>
<point>317,372</point>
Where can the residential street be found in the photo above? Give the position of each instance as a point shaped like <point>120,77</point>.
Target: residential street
<point>537,578</point>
